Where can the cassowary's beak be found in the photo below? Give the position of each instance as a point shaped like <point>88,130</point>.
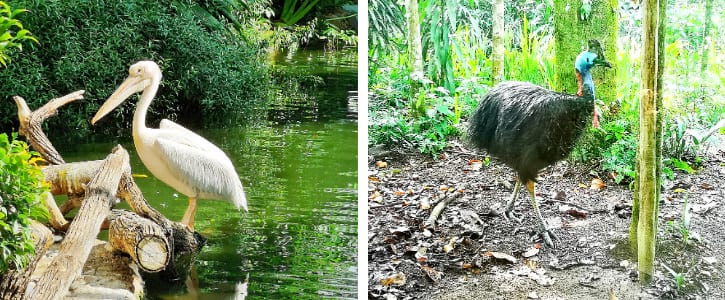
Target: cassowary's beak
<point>132,85</point>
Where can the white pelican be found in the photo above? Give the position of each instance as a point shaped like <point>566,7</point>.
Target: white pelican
<point>177,156</point>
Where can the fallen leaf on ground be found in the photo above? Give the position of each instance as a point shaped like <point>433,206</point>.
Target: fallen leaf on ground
<point>397,279</point>
<point>476,164</point>
<point>707,186</point>
<point>433,274</point>
<point>450,246</point>
<point>531,252</point>
<point>420,254</point>
<point>597,184</point>
<point>425,203</point>
<point>381,164</point>
<point>679,190</point>
<point>577,213</point>
<point>375,195</point>
<point>373,179</point>
<point>502,256</point>
<point>398,193</point>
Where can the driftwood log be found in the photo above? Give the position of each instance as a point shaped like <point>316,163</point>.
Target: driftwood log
<point>152,241</point>
<point>141,238</point>
<point>74,250</point>
<point>30,123</point>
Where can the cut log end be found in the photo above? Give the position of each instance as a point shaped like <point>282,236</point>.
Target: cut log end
<point>152,253</point>
<point>141,239</point>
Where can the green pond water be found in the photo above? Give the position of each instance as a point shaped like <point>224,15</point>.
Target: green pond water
<point>299,238</point>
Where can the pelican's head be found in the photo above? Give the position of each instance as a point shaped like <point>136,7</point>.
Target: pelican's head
<point>140,76</point>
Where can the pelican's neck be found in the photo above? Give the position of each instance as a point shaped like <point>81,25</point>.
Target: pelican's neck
<point>139,117</point>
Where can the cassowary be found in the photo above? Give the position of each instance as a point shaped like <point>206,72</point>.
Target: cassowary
<point>529,128</point>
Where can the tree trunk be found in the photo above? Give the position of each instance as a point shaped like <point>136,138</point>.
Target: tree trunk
<point>497,69</point>
<point>571,34</point>
<point>705,35</point>
<point>647,150</point>
<point>415,47</point>
<point>143,240</point>
<point>74,250</point>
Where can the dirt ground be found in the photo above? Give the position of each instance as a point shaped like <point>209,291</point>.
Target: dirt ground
<point>474,252</point>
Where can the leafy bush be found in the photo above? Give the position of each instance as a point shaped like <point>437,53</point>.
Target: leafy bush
<point>90,44</point>
<point>21,186</point>
<point>12,33</point>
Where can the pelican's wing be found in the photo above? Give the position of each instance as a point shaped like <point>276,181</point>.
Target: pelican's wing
<point>186,136</point>
<point>200,164</point>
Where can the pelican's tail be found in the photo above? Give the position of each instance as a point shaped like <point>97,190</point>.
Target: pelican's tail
<point>240,199</point>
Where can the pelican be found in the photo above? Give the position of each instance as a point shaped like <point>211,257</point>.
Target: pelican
<point>177,156</point>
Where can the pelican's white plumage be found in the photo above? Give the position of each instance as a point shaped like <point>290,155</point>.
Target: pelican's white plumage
<point>177,156</point>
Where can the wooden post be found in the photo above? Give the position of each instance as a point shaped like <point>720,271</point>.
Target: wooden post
<point>143,240</point>
<point>74,250</point>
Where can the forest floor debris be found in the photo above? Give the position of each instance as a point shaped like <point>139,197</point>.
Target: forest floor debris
<point>474,252</point>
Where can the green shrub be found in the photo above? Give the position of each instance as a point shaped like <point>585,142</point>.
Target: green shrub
<point>21,186</point>
<point>90,45</point>
<point>12,33</point>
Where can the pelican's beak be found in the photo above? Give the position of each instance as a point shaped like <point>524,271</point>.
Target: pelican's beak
<point>132,85</point>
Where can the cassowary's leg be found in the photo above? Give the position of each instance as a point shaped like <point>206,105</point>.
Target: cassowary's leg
<point>510,205</point>
<point>543,231</point>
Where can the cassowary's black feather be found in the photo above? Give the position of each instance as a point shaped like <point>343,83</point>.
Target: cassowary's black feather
<point>528,127</point>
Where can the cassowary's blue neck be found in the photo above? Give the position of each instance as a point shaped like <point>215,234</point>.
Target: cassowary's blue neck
<point>583,64</point>
<point>587,83</point>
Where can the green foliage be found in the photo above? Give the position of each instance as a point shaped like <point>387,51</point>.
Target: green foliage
<point>533,58</point>
<point>387,24</point>
<point>335,36</point>
<point>12,33</point>
<point>21,186</point>
<point>424,123</point>
<point>89,45</point>
<point>293,13</point>
<point>682,226</point>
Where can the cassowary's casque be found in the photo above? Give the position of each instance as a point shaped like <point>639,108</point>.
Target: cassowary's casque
<point>529,127</point>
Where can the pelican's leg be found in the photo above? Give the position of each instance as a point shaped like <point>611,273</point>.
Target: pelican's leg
<point>547,235</point>
<point>510,204</point>
<point>188,219</point>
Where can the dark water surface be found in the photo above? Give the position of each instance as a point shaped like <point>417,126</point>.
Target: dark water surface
<point>299,239</point>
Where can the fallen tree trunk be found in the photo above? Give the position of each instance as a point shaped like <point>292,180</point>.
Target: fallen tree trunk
<point>185,244</point>
<point>76,246</point>
<point>143,240</point>
<point>13,283</point>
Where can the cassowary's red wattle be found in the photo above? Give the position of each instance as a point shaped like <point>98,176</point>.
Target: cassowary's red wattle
<point>529,128</point>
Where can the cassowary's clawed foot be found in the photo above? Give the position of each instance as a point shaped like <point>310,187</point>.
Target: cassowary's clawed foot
<point>511,216</point>
<point>548,236</point>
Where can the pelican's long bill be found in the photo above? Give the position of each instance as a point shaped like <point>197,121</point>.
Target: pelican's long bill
<point>132,85</point>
